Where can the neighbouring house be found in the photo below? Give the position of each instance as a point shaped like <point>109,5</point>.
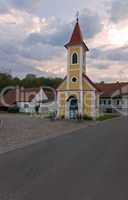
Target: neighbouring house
<point>77,95</point>
<point>29,100</point>
<point>114,97</point>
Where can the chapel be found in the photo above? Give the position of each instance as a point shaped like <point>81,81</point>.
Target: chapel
<point>77,95</point>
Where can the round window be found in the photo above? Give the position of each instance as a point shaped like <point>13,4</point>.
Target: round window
<point>74,79</point>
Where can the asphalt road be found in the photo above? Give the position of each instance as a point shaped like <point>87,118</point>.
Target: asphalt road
<point>91,164</point>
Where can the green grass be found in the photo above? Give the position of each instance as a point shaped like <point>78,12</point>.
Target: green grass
<point>105,117</point>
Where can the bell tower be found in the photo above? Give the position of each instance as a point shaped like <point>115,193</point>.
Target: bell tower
<point>76,65</point>
<point>76,58</point>
<point>77,95</point>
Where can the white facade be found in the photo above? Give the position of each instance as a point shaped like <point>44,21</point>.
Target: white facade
<point>115,104</point>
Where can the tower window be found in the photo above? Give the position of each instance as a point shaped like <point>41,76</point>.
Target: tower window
<point>74,58</point>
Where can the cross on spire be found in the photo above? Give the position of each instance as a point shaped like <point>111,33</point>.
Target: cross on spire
<point>77,16</point>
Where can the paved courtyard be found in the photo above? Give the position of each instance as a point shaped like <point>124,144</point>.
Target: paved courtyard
<point>19,130</point>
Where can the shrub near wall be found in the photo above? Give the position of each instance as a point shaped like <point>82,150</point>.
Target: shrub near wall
<point>13,110</point>
<point>88,118</point>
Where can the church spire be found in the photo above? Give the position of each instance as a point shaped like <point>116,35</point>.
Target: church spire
<point>77,38</point>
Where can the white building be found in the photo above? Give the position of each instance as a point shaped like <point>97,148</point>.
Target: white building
<point>37,100</point>
<point>30,100</point>
<point>114,97</point>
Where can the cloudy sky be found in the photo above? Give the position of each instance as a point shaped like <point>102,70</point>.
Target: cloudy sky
<point>33,34</point>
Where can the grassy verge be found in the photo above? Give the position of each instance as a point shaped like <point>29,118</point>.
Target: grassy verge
<point>105,117</point>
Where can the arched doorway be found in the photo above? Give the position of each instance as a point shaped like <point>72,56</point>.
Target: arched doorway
<point>73,107</point>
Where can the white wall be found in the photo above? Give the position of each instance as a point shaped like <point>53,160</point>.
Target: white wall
<point>26,107</point>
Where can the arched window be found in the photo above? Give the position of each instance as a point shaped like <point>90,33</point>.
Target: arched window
<point>74,58</point>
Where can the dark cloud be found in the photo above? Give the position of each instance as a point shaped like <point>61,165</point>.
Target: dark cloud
<point>118,10</point>
<point>9,58</point>
<point>21,59</point>
<point>57,38</point>
<point>116,54</point>
<point>40,52</point>
<point>90,23</point>
<point>21,56</point>
<point>25,4</point>
<point>4,6</point>
<point>101,66</point>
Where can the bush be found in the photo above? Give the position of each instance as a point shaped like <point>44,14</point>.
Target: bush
<point>13,110</point>
<point>52,115</point>
<point>87,117</point>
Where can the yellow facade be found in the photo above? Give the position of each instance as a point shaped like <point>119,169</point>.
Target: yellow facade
<point>74,70</point>
<point>87,103</point>
<point>62,104</point>
<point>69,88</point>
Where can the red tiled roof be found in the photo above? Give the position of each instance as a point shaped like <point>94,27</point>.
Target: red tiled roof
<point>77,38</point>
<point>108,89</point>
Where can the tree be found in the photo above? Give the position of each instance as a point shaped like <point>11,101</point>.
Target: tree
<point>30,81</point>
